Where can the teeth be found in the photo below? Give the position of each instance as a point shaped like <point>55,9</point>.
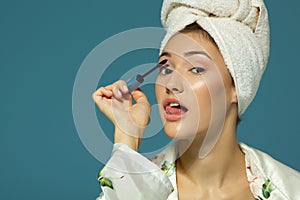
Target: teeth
<point>174,104</point>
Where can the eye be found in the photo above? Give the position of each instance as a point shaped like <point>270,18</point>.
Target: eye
<point>165,70</point>
<point>197,70</point>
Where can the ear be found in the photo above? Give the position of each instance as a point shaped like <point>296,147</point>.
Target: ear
<point>234,98</point>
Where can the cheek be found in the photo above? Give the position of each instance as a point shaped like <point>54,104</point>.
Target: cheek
<point>210,96</point>
<point>201,110</point>
<point>220,90</point>
<point>158,92</point>
<point>217,90</point>
<point>201,95</point>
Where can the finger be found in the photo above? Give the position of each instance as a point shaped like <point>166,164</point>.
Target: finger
<point>121,90</point>
<point>102,92</point>
<point>139,96</point>
<point>125,91</point>
<point>100,97</point>
<point>117,93</point>
<point>124,88</point>
<point>105,92</point>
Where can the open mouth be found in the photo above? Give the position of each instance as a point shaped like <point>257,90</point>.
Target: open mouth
<point>174,110</point>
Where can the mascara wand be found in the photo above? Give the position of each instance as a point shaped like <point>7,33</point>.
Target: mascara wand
<point>135,82</point>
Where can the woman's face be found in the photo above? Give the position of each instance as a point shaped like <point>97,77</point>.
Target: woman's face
<point>194,87</point>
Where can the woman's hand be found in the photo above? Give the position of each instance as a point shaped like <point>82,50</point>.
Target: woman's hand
<point>130,120</point>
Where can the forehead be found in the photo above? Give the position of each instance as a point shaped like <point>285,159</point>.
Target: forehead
<point>194,41</point>
<point>183,42</point>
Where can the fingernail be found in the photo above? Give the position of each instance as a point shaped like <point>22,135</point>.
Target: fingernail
<point>125,88</point>
<point>119,92</point>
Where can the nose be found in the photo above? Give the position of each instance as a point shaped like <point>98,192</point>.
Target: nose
<point>174,83</point>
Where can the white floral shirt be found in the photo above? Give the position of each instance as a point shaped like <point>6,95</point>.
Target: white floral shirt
<point>129,175</point>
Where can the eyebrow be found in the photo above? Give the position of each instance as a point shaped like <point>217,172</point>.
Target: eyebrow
<point>165,54</point>
<point>191,53</point>
<point>187,54</point>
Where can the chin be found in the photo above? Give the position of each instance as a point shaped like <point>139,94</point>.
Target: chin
<point>180,131</point>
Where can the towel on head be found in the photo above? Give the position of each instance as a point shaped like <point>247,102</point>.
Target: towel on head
<point>240,28</point>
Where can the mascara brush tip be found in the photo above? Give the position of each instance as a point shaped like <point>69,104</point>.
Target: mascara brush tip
<point>163,62</point>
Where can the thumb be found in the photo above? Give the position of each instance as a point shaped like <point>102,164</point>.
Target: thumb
<point>139,96</point>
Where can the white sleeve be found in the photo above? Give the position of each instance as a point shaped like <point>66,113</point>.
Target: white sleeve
<point>129,175</point>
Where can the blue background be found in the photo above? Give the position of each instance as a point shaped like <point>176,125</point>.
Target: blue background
<point>42,45</point>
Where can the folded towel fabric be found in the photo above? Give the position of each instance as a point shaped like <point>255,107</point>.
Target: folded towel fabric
<point>240,28</point>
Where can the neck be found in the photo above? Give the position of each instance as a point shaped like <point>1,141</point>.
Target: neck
<point>223,165</point>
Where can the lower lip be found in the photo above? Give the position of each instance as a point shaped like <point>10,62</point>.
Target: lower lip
<point>174,117</point>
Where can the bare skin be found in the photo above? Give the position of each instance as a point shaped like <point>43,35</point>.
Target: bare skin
<point>221,174</point>
<point>130,120</point>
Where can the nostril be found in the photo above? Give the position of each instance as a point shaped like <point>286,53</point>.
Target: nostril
<point>167,91</point>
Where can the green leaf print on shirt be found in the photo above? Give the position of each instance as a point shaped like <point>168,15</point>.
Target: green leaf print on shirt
<point>267,188</point>
<point>106,182</point>
<point>168,168</point>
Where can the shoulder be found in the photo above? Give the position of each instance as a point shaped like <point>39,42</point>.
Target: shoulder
<point>285,179</point>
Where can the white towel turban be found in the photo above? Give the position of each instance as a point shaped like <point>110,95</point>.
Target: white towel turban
<point>240,28</point>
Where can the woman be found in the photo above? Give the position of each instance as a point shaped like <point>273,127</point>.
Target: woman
<point>215,55</point>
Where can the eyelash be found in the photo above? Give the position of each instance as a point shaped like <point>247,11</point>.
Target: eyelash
<point>161,70</point>
<point>199,68</point>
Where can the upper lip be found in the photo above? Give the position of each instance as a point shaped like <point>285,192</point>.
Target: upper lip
<point>173,100</point>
